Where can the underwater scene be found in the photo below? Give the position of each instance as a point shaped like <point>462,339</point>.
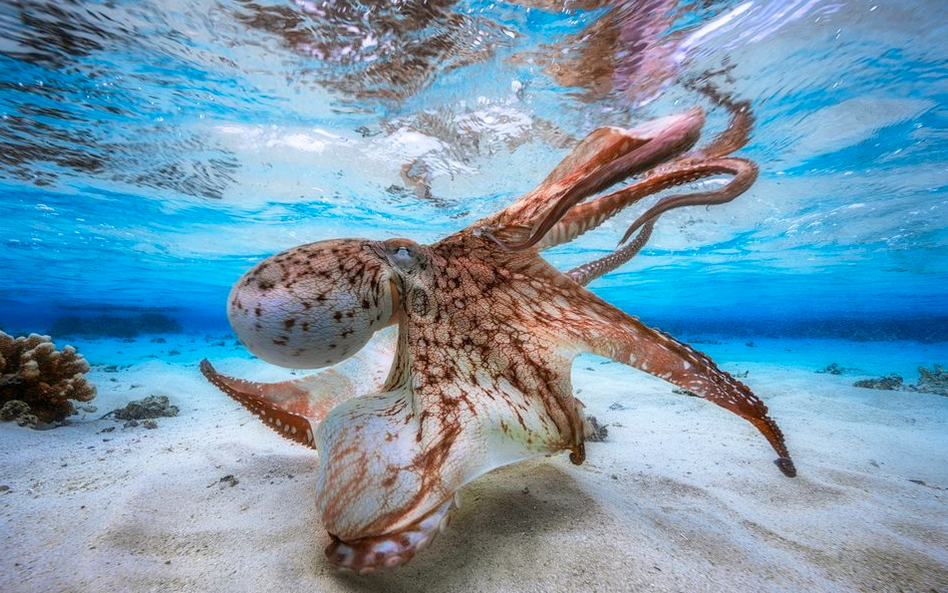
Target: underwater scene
<point>455,295</point>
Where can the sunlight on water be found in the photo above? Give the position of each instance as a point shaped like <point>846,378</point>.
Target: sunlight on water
<point>150,152</point>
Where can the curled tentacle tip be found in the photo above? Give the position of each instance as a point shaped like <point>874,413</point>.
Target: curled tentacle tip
<point>785,464</point>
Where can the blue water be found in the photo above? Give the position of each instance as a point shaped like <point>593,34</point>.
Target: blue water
<point>151,152</point>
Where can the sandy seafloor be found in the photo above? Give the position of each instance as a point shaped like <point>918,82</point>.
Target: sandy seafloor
<point>681,497</point>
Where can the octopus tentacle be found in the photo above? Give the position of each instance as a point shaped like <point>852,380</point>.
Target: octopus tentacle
<point>371,496</point>
<point>368,554</point>
<point>695,165</point>
<point>737,133</point>
<point>256,398</point>
<point>607,156</point>
<point>588,272</point>
<point>598,166</point>
<point>743,170</point>
<point>585,217</point>
<point>314,396</point>
<point>599,146</point>
<point>390,463</point>
<point>390,466</point>
<point>609,332</point>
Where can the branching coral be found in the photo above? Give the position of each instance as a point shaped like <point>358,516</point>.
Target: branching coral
<point>37,375</point>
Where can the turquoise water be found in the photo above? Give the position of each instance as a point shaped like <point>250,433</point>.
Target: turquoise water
<point>151,152</point>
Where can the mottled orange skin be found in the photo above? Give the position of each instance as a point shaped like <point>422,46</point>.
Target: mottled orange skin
<point>486,334</point>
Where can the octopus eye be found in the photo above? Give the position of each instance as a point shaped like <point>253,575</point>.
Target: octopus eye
<point>404,255</point>
<point>314,305</point>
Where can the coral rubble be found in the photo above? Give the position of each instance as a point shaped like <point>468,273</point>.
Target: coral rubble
<point>833,369</point>
<point>929,381</point>
<point>37,381</point>
<point>932,381</point>
<point>890,383</point>
<point>19,411</point>
<point>153,406</point>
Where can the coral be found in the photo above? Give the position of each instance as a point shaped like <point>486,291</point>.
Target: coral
<point>153,406</point>
<point>890,383</point>
<point>18,411</point>
<point>932,381</point>
<point>929,381</point>
<point>35,374</point>
<point>117,326</point>
<point>833,369</point>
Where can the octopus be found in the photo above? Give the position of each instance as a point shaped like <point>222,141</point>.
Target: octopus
<point>474,338</point>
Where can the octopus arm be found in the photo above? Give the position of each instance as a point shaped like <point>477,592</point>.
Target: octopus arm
<point>588,272</point>
<point>607,331</point>
<point>391,463</point>
<point>606,157</point>
<point>744,174</point>
<point>586,217</point>
<point>696,165</point>
<point>267,401</point>
<point>303,403</point>
<point>738,131</point>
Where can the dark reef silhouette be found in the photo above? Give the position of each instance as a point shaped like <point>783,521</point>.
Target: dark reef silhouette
<point>115,326</point>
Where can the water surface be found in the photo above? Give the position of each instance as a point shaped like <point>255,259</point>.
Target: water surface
<point>150,152</point>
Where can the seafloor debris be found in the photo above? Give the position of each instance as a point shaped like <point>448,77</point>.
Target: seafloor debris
<point>229,480</point>
<point>597,432</point>
<point>153,406</point>
<point>889,383</point>
<point>832,369</point>
<point>37,381</point>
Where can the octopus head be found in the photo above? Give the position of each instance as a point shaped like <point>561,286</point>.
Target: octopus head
<point>318,304</point>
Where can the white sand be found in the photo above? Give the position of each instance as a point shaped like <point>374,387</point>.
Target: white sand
<point>681,497</point>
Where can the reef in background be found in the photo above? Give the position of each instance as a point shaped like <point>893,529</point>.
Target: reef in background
<point>929,381</point>
<point>932,381</point>
<point>117,326</point>
<point>858,328</point>
<point>37,381</point>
